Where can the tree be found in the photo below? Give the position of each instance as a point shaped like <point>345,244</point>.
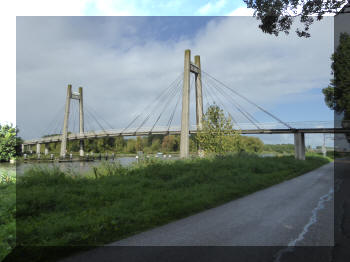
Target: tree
<point>155,147</point>
<point>139,144</point>
<point>130,146</point>
<point>278,15</point>
<point>168,143</point>
<point>337,94</point>
<point>217,135</point>
<point>73,146</point>
<point>251,144</point>
<point>119,144</point>
<point>8,142</point>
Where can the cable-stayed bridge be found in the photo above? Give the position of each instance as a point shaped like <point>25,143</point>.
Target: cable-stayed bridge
<point>267,128</point>
<point>161,116</point>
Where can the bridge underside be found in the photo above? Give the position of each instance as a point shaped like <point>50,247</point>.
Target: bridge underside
<point>110,133</point>
<point>299,136</point>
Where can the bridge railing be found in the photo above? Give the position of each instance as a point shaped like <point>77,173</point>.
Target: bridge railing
<point>296,125</point>
<point>165,129</point>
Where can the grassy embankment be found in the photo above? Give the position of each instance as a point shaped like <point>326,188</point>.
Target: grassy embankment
<point>56,209</point>
<point>7,211</point>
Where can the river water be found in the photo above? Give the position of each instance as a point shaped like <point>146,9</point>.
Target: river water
<point>76,167</point>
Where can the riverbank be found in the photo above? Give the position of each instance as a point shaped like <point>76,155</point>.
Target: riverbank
<point>113,201</point>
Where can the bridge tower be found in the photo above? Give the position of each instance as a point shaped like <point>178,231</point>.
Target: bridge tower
<point>77,96</point>
<point>189,68</point>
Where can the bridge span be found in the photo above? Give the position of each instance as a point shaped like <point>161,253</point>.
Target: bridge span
<point>174,131</point>
<point>253,126</point>
<point>299,133</point>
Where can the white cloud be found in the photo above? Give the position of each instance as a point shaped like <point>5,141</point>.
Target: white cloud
<point>49,8</point>
<point>211,8</point>
<point>122,66</point>
<point>205,9</point>
<point>242,11</point>
<point>8,12</point>
<point>117,8</point>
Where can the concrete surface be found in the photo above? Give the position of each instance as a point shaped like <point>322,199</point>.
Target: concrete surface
<point>291,221</point>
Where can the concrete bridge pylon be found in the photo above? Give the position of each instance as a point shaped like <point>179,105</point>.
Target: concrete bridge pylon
<point>189,68</point>
<point>77,96</point>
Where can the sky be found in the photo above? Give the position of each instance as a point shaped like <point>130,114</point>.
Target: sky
<point>124,62</point>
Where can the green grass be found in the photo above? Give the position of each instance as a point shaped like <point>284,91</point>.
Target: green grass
<point>56,209</point>
<point>7,211</point>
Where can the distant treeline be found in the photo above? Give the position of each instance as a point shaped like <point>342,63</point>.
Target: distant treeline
<point>279,148</point>
<point>161,143</point>
<point>147,144</point>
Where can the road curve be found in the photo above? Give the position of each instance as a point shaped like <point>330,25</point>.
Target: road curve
<point>297,212</point>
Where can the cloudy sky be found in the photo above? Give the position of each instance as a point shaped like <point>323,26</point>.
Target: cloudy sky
<point>123,63</point>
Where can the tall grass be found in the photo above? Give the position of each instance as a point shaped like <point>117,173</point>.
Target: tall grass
<point>7,212</point>
<point>59,209</point>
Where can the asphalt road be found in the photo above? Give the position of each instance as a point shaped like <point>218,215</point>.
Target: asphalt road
<point>286,217</point>
<point>275,216</point>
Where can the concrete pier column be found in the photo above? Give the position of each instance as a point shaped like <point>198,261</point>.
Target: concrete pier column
<point>22,148</point>
<point>29,148</point>
<point>81,121</point>
<point>185,114</point>
<point>199,95</point>
<point>199,100</point>
<point>46,149</point>
<point>299,146</point>
<point>65,122</point>
<point>38,146</point>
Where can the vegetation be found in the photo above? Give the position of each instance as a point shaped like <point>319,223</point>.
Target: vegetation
<point>8,142</point>
<point>57,209</point>
<point>121,145</point>
<point>278,16</point>
<point>251,144</point>
<point>7,212</point>
<point>218,135</point>
<point>279,148</point>
<point>337,94</point>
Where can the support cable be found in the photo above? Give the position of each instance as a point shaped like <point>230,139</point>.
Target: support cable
<point>167,102</point>
<point>99,124</point>
<point>205,95</point>
<point>228,95</point>
<point>154,108</point>
<point>245,113</point>
<point>158,97</point>
<point>211,96</point>
<point>249,101</point>
<point>53,122</point>
<point>92,110</point>
<point>173,113</point>
<point>91,129</point>
<point>233,119</point>
<point>223,103</point>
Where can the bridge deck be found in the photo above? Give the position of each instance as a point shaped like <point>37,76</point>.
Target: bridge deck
<point>115,133</point>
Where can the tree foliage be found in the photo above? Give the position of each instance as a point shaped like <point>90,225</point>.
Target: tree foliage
<point>251,144</point>
<point>217,135</point>
<point>337,94</point>
<point>278,15</point>
<point>279,148</point>
<point>8,142</point>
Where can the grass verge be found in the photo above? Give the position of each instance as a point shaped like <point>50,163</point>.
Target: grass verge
<point>7,212</point>
<point>57,209</point>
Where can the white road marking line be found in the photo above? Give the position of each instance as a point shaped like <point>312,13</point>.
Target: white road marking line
<point>313,219</point>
